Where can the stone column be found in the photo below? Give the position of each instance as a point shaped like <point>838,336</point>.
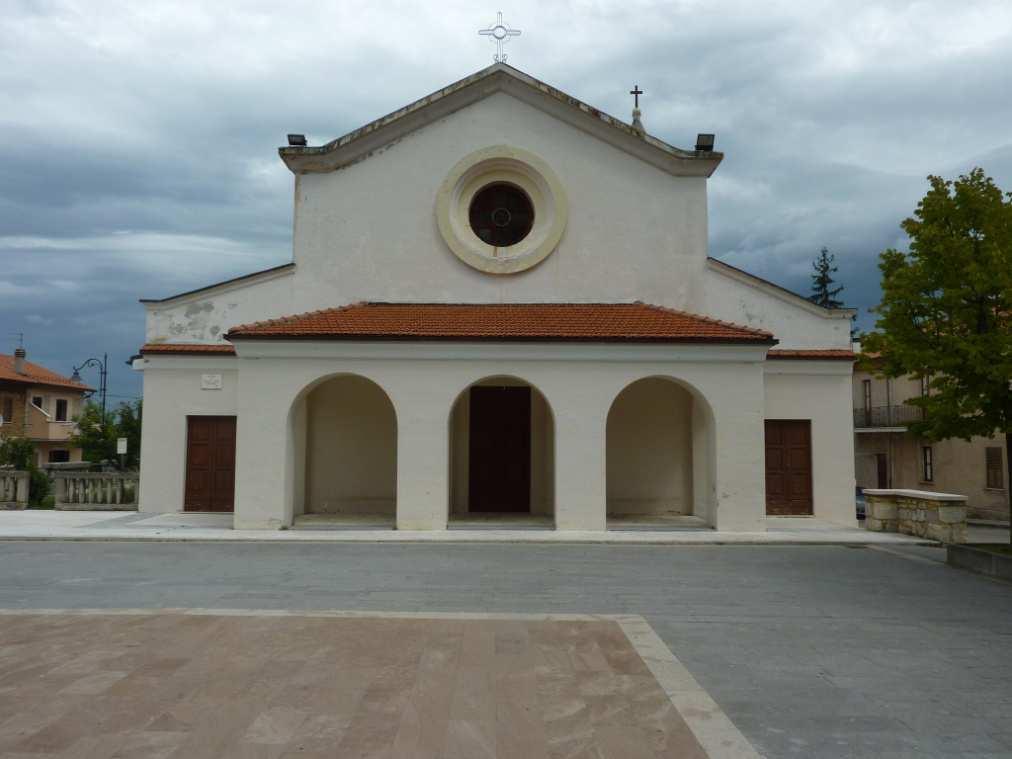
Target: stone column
<point>423,467</point>
<point>22,483</point>
<point>581,408</point>
<point>737,400</point>
<point>264,452</point>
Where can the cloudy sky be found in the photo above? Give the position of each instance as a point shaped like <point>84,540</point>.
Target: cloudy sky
<point>138,139</point>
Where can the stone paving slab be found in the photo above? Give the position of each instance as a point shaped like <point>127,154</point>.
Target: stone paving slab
<point>170,684</point>
<point>113,526</point>
<point>828,652</point>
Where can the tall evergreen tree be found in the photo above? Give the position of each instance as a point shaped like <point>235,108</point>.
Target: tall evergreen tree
<point>823,292</point>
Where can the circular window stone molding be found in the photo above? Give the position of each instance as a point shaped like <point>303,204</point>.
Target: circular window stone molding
<point>502,164</point>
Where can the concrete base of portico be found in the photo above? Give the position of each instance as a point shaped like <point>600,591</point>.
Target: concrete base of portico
<point>111,526</point>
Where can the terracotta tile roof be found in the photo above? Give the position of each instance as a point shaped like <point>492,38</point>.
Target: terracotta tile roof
<point>595,322</point>
<point>178,349</point>
<point>824,354</point>
<point>36,375</point>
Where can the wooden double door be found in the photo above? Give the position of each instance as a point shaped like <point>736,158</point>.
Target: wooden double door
<point>788,467</point>
<point>210,463</point>
<point>499,450</point>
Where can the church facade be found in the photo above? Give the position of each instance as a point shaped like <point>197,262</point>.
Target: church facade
<point>500,303</point>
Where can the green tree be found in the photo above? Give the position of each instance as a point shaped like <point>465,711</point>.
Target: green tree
<point>97,436</point>
<point>128,424</point>
<point>19,452</point>
<point>823,292</point>
<point>946,310</point>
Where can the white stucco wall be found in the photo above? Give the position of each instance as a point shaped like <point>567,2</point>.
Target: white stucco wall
<point>368,231</point>
<point>351,449</point>
<point>649,455</point>
<point>205,317</point>
<point>820,391</point>
<point>795,323</point>
<point>172,391</point>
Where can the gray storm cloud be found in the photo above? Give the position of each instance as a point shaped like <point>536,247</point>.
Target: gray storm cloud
<point>138,140</point>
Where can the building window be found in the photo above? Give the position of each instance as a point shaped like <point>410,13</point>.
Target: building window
<point>501,210</point>
<point>501,214</point>
<point>995,475</point>
<point>925,386</point>
<point>59,457</point>
<point>928,463</point>
<point>8,411</point>
<point>61,409</point>
<point>38,401</point>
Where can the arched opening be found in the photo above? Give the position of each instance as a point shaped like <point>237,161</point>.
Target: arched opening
<point>345,453</point>
<point>659,460</point>
<point>502,455</point>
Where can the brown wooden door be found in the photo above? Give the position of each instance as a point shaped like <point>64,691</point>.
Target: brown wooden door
<point>210,463</point>
<point>499,477</point>
<point>788,467</point>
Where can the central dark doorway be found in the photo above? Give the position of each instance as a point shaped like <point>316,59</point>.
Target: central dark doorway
<point>499,478</point>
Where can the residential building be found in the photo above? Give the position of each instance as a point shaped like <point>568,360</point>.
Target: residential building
<point>41,405</point>
<point>888,455</point>
<point>500,302</point>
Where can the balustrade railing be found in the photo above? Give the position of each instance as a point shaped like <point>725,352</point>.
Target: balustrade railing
<point>95,490</point>
<point>14,488</point>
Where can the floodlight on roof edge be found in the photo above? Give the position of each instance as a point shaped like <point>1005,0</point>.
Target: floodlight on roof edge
<point>704,143</point>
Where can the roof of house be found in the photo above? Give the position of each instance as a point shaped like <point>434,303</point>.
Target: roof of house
<point>225,349</point>
<point>179,349</point>
<point>36,375</point>
<point>498,77</point>
<point>263,273</point>
<point>823,354</point>
<point>594,322</point>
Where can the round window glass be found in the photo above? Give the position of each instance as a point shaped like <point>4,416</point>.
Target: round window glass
<point>501,214</point>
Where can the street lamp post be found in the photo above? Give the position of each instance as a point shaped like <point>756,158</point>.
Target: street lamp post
<point>103,374</point>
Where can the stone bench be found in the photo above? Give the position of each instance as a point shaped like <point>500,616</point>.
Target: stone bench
<point>936,516</point>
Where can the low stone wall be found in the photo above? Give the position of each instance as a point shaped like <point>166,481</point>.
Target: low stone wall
<point>936,516</point>
<point>14,485</point>
<point>95,491</point>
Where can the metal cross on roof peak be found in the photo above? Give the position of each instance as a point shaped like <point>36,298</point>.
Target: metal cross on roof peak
<point>500,33</point>
<point>636,92</point>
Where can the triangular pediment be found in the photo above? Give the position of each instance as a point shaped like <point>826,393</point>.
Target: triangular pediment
<point>497,78</point>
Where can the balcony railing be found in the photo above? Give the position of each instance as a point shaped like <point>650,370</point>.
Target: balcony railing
<point>887,416</point>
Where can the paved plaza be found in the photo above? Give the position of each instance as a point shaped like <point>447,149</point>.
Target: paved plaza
<point>810,651</point>
<point>159,685</point>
